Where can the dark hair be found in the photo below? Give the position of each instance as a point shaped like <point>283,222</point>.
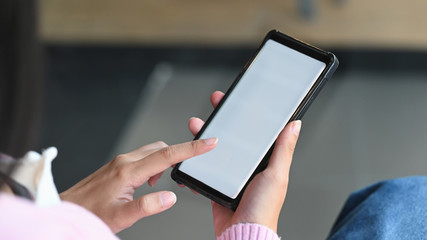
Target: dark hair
<point>20,77</point>
<point>20,83</point>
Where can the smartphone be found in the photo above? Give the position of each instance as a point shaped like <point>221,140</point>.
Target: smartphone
<point>275,87</point>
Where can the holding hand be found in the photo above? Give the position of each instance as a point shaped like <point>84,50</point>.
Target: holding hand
<point>264,197</point>
<point>109,191</point>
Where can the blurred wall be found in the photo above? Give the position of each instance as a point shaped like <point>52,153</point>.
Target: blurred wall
<point>337,23</point>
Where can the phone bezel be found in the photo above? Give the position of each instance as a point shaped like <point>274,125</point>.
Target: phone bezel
<point>331,64</point>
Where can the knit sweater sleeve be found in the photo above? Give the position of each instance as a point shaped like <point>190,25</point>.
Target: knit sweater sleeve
<point>248,231</point>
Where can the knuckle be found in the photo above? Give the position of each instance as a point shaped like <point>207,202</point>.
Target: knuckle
<point>160,144</point>
<point>120,167</point>
<point>143,206</point>
<point>121,172</point>
<point>167,153</point>
<point>281,179</point>
<point>120,159</point>
<point>194,146</point>
<point>290,148</point>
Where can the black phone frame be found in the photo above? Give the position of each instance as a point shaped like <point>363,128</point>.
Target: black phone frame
<point>331,64</point>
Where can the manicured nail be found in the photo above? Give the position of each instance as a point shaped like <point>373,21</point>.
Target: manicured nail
<point>211,141</point>
<point>296,127</point>
<point>167,199</point>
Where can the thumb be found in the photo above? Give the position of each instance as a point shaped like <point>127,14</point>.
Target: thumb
<point>149,204</point>
<point>281,159</point>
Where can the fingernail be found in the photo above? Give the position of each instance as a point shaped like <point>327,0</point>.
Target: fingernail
<point>296,127</point>
<point>211,141</point>
<point>167,199</point>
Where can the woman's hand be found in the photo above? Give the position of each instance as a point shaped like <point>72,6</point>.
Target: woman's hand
<point>264,197</point>
<point>109,191</point>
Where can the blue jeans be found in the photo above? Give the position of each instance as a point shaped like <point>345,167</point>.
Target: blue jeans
<point>393,209</point>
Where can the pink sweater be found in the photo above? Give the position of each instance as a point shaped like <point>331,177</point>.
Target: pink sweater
<point>22,219</point>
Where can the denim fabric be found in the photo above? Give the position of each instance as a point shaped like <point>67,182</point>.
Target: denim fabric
<point>393,209</point>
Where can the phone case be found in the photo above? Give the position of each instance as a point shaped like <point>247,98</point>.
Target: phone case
<point>331,65</point>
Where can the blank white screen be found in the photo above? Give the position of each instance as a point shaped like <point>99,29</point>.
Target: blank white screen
<point>252,117</point>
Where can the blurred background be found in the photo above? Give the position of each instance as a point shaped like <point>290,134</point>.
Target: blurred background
<point>96,78</point>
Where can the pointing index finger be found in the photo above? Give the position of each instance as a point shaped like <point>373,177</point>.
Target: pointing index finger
<point>164,158</point>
